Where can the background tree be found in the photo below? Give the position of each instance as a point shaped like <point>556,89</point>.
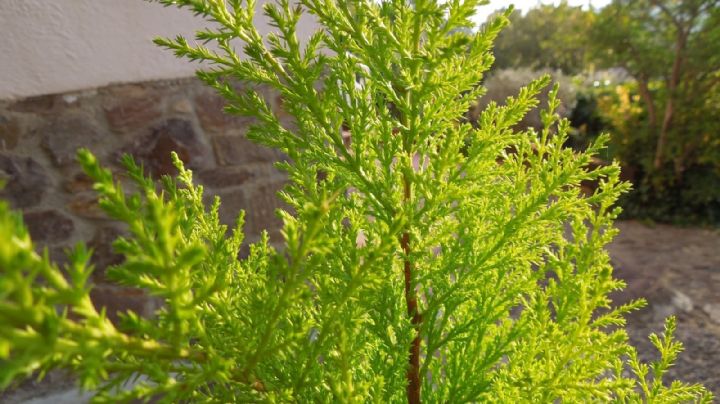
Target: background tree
<point>548,36</point>
<point>671,49</point>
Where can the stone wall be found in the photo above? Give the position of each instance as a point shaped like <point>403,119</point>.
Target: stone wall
<point>39,137</point>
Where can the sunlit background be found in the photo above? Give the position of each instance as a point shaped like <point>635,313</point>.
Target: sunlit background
<point>524,5</point>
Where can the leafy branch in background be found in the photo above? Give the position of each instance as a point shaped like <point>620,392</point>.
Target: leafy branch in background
<point>667,140</point>
<point>424,260</point>
<point>548,36</point>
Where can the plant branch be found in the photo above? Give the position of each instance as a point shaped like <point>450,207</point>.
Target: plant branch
<point>413,372</point>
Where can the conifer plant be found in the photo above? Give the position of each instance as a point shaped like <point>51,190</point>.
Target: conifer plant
<point>423,259</point>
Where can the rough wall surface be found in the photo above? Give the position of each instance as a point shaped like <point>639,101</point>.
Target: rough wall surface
<point>58,46</point>
<point>38,140</point>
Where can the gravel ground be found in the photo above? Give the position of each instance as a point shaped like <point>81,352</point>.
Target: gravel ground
<point>678,271</point>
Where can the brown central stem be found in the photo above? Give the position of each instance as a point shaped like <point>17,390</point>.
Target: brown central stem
<point>413,372</point>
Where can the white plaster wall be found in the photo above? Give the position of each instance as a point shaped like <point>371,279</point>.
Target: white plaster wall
<point>52,46</point>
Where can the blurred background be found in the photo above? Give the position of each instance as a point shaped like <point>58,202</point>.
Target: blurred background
<point>647,72</point>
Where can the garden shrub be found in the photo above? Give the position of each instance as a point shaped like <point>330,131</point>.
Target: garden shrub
<point>684,190</point>
<point>667,121</point>
<point>424,260</point>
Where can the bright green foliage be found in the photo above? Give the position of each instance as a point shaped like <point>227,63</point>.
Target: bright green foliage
<point>474,245</point>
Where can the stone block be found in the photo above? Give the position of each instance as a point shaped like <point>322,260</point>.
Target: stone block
<point>278,106</point>
<point>209,108</point>
<point>63,137</point>
<point>261,210</point>
<point>78,183</point>
<point>103,254</point>
<point>86,205</point>
<point>176,135</point>
<point>182,106</point>
<point>117,299</point>
<point>59,256</point>
<point>53,104</point>
<point>49,226</point>
<point>227,176</point>
<point>231,203</point>
<point>713,311</point>
<point>131,107</point>
<point>38,104</point>
<point>237,150</point>
<point>9,133</point>
<point>26,181</point>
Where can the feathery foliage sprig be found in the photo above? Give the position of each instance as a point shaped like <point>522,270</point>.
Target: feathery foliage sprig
<point>424,260</point>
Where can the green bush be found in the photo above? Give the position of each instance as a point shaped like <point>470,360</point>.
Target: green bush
<point>428,262</point>
<point>686,188</point>
<point>666,123</point>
